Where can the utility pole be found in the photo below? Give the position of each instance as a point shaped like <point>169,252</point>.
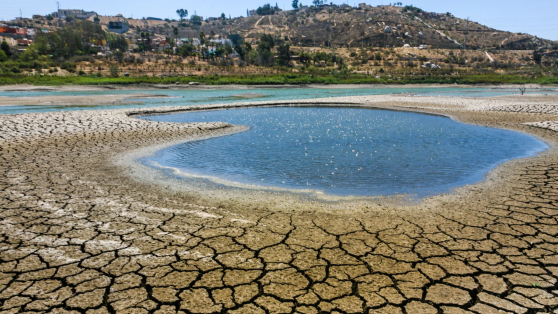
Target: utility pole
<point>59,20</point>
<point>466,33</point>
<point>196,14</point>
<point>20,14</point>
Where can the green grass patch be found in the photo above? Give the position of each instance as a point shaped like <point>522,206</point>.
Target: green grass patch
<point>276,79</point>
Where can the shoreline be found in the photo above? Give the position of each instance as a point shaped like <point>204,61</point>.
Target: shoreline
<point>139,87</point>
<point>311,199</point>
<point>78,232</point>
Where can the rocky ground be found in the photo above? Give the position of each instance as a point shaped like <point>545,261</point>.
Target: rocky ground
<point>78,234</point>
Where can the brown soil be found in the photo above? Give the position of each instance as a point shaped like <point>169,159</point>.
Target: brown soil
<point>78,234</point>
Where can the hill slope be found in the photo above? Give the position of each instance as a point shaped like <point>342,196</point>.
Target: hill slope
<point>364,26</point>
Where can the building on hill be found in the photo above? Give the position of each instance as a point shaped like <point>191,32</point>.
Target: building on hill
<point>118,27</point>
<point>222,41</point>
<point>154,18</point>
<point>10,41</point>
<point>78,14</point>
<point>12,30</point>
<point>253,12</point>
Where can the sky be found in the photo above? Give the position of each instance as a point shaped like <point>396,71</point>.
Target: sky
<point>535,17</point>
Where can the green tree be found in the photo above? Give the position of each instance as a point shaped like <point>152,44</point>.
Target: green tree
<point>537,57</point>
<point>182,14</point>
<point>242,49</point>
<point>96,19</point>
<point>118,56</point>
<point>3,56</point>
<point>266,9</point>
<point>265,56</point>
<point>114,71</point>
<point>223,16</point>
<point>295,4</point>
<point>196,20</point>
<point>115,41</point>
<point>284,54</point>
<point>75,39</point>
<point>318,2</point>
<point>29,54</point>
<point>305,57</point>
<point>266,42</point>
<point>42,44</point>
<point>6,48</point>
<point>146,41</point>
<point>186,50</point>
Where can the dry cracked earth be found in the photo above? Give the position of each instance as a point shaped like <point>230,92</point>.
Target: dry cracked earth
<point>79,236</point>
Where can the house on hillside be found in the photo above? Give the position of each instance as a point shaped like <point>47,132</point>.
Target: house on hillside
<point>253,12</point>
<point>78,14</point>
<point>118,27</point>
<point>192,41</point>
<point>13,30</point>
<point>24,42</point>
<point>21,31</point>
<point>222,41</point>
<point>11,42</point>
<point>153,18</point>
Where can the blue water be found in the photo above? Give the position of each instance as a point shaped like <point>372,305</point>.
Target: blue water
<point>189,97</point>
<point>344,151</point>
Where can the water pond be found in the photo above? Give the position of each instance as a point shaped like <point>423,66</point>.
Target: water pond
<point>342,151</point>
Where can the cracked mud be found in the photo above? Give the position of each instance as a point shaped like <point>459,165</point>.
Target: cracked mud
<point>78,235</point>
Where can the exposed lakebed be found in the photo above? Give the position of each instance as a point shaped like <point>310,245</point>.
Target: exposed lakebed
<point>341,151</point>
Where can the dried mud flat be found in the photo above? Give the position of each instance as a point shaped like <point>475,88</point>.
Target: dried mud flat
<point>75,101</point>
<point>79,234</point>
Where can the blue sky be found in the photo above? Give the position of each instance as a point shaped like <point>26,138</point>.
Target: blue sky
<point>536,17</point>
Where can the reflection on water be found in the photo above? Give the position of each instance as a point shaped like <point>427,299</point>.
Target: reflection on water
<point>342,151</point>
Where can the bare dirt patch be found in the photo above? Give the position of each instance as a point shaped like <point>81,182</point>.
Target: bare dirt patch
<point>79,234</point>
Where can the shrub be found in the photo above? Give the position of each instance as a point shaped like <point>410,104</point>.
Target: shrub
<point>113,71</point>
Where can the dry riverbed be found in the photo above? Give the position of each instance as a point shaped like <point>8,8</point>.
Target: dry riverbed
<point>83,231</point>
<point>90,100</point>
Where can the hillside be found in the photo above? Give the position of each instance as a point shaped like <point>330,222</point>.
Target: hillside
<point>338,41</point>
<point>342,27</point>
<point>339,27</point>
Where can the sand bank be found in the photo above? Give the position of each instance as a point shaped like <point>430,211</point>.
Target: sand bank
<point>82,100</point>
